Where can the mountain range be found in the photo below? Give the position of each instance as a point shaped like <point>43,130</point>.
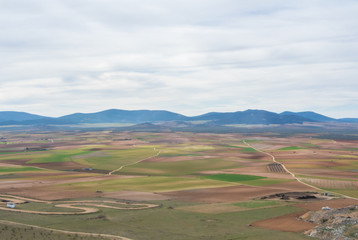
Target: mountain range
<point>151,116</point>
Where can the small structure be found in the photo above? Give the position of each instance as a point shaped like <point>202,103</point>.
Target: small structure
<point>10,204</point>
<point>326,208</point>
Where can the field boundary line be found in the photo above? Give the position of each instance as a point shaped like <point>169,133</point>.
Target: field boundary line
<point>109,236</point>
<point>130,164</point>
<point>291,173</point>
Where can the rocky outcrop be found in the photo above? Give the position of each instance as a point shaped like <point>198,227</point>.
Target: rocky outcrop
<point>334,224</point>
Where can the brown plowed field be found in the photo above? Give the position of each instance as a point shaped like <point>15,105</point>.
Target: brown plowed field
<point>233,194</point>
<point>135,196</point>
<point>335,203</point>
<point>286,223</point>
<point>291,222</point>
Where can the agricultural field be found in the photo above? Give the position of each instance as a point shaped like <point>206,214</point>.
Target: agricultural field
<point>104,184</point>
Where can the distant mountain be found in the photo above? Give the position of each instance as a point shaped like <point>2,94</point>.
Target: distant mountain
<point>310,115</point>
<point>252,117</point>
<point>348,120</point>
<point>169,119</point>
<point>125,116</point>
<point>17,116</point>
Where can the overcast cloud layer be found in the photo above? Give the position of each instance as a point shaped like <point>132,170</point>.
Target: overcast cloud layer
<point>191,57</point>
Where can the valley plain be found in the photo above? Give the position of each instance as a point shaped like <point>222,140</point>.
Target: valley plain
<point>121,184</point>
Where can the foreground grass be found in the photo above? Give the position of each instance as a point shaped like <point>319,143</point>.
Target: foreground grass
<point>165,222</point>
<point>19,232</point>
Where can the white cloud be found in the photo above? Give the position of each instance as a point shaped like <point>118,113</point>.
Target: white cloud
<point>67,56</point>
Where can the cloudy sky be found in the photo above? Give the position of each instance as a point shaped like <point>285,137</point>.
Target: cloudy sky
<point>63,56</point>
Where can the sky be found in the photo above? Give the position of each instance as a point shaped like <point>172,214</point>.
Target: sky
<point>59,57</point>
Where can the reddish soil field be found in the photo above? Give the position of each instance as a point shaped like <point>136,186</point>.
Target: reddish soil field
<point>335,203</point>
<point>286,223</point>
<point>233,194</point>
<point>291,223</point>
<point>135,196</point>
<point>176,159</point>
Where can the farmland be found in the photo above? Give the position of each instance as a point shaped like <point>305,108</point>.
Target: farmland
<point>168,185</point>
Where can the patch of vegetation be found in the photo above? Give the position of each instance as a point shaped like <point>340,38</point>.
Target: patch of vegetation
<point>351,231</point>
<point>44,207</point>
<point>18,169</point>
<point>266,182</point>
<point>252,141</point>
<point>350,149</point>
<point>117,158</point>
<point>230,146</point>
<point>17,232</point>
<point>5,153</point>
<point>256,204</point>
<point>9,176</point>
<point>233,177</point>
<point>310,145</point>
<point>290,148</point>
<point>347,192</point>
<point>146,184</point>
<point>248,150</point>
<point>59,156</point>
<point>179,167</point>
<point>179,155</point>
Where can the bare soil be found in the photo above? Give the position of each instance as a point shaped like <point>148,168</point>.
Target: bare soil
<point>286,223</point>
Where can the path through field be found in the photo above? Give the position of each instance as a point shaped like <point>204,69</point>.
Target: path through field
<point>130,164</point>
<point>291,173</point>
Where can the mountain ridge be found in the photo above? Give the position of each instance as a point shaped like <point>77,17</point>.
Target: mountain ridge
<point>250,116</point>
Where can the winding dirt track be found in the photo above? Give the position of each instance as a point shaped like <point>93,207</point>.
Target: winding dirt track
<point>73,205</point>
<point>291,173</point>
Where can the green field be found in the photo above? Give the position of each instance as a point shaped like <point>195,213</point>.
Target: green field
<point>147,184</point>
<point>180,167</point>
<point>18,169</point>
<point>290,148</point>
<point>113,159</point>
<point>248,150</point>
<point>233,177</point>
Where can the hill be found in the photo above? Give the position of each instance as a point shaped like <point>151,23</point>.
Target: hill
<point>310,115</point>
<point>252,117</point>
<point>125,116</point>
<point>17,116</point>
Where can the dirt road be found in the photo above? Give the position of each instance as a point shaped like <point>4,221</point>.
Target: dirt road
<point>291,173</point>
<point>73,205</point>
<point>130,164</point>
